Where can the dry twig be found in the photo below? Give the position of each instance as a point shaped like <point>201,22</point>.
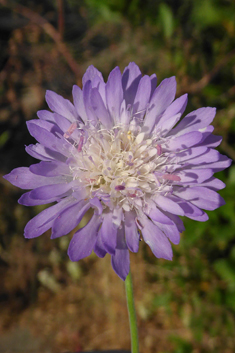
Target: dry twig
<point>49,29</point>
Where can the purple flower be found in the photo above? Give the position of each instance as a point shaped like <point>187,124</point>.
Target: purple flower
<point>119,151</point>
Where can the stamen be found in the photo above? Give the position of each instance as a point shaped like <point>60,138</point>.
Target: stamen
<point>70,130</point>
<point>80,143</point>
<point>159,149</point>
<point>171,177</point>
<point>119,187</point>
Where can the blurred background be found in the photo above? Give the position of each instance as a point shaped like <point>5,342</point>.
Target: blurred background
<point>51,305</point>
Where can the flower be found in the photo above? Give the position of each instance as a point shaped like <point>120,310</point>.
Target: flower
<point>122,151</point>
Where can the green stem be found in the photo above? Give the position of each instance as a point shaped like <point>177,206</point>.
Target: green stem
<point>132,314</point>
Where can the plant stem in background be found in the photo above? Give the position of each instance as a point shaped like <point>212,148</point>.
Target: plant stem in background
<point>132,314</point>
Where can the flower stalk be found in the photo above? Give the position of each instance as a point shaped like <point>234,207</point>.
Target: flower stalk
<point>132,314</point>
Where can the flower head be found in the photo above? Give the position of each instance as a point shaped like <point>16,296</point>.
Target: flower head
<point>122,151</point>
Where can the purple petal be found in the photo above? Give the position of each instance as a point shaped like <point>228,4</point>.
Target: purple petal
<point>87,102</point>
<point>100,110</point>
<point>91,74</point>
<point>153,79</point>
<point>183,141</point>
<point>178,106</point>
<point>201,197</point>
<point>95,203</point>
<point>131,231</point>
<point>99,247</point>
<point>214,184</point>
<point>195,175</point>
<point>130,81</point>
<point>206,159</point>
<point>114,93</point>
<point>221,164</point>
<point>171,231</point>
<point>44,220</point>
<point>121,260</point>
<point>69,218</point>
<point>108,233</point>
<point>27,200</point>
<point>79,103</point>
<point>49,191</point>
<point>168,205</point>
<point>40,152</point>
<point>50,169</point>
<point>124,114</point>
<point>43,136</point>
<point>156,215</point>
<point>198,119</point>
<point>84,240</point>
<point>177,221</point>
<point>142,96</point>
<point>161,99</point>
<point>190,153</point>
<point>61,106</point>
<point>210,140</point>
<point>191,211</point>
<point>46,115</point>
<point>25,179</point>
<point>156,240</point>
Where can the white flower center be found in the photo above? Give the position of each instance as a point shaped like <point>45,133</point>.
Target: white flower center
<point>119,166</point>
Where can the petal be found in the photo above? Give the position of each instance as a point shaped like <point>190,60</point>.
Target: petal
<point>95,203</point>
<point>168,205</point>
<point>189,154</point>
<point>161,99</point>
<point>131,231</point>
<point>201,197</point>
<point>99,247</point>
<point>121,260</point>
<point>108,233</point>
<point>178,106</point>
<point>45,154</point>
<point>114,93</point>
<point>49,191</point>
<point>91,117</point>
<point>207,158</point>
<point>43,136</point>
<point>156,240</point>
<point>69,218</point>
<point>220,164</point>
<point>60,105</point>
<point>210,140</point>
<point>124,114</point>
<point>177,220</point>
<point>27,200</point>
<point>214,184</point>
<point>84,240</point>
<point>191,211</point>
<point>23,178</point>
<point>156,215</point>
<point>91,74</point>
<point>50,169</point>
<point>46,115</point>
<point>130,81</point>
<point>194,175</point>
<point>100,110</point>
<point>171,231</point>
<point>142,96</point>
<point>183,141</point>
<point>198,119</point>
<point>44,220</point>
<point>79,103</point>
<point>153,79</point>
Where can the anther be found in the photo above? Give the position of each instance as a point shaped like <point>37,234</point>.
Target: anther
<point>70,130</point>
